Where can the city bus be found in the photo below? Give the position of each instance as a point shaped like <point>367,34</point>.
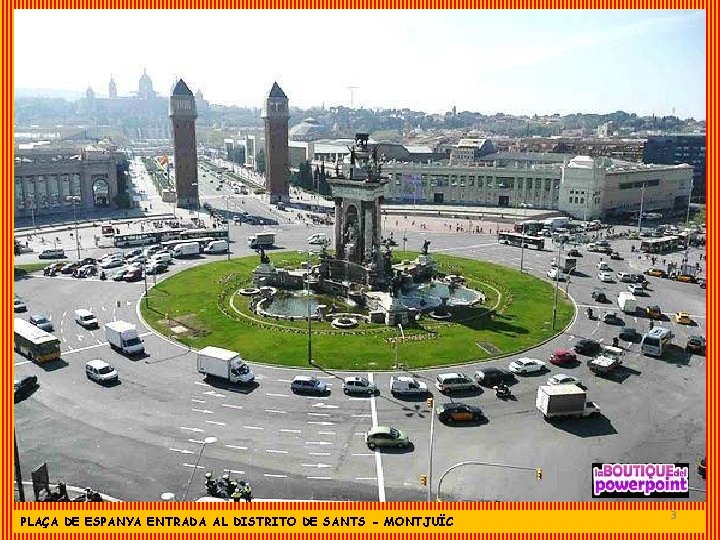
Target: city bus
<point>35,344</point>
<point>656,341</point>
<point>516,239</point>
<point>198,234</point>
<point>145,238</point>
<point>660,245</point>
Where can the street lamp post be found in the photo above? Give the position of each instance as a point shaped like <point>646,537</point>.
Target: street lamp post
<point>525,206</point>
<point>642,200</point>
<point>227,217</point>
<point>144,268</point>
<point>75,199</point>
<point>557,286</point>
<point>431,404</point>
<point>18,474</point>
<point>207,440</point>
<point>537,470</point>
<point>309,318</point>
<point>397,344</point>
<point>687,217</point>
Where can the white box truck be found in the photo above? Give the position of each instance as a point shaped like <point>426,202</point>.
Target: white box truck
<point>263,240</point>
<point>556,222</point>
<point>123,337</point>
<point>627,302</point>
<point>606,361</point>
<point>186,249</point>
<point>224,364</point>
<point>564,401</point>
<point>217,246</point>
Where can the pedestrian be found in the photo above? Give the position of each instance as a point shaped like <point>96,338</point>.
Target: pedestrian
<point>236,495</point>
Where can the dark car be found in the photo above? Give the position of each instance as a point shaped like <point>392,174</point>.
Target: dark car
<point>156,268</point>
<point>134,274</point>
<point>701,468</point>
<point>42,322</point>
<point>69,268</point>
<point>52,269</point>
<point>639,278</point>
<point>574,253</point>
<point>24,387</point>
<point>587,346</point>
<point>599,296</point>
<point>695,344</point>
<point>207,206</point>
<point>628,333</point>
<point>563,357</point>
<point>459,412</point>
<point>654,312</point>
<point>87,260</point>
<point>492,376</point>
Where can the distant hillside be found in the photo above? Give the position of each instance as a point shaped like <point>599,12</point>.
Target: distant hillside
<point>47,93</point>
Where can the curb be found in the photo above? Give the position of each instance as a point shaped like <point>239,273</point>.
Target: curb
<point>73,490</point>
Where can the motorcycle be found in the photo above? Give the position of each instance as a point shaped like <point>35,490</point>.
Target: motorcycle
<point>502,391</point>
<point>590,314</point>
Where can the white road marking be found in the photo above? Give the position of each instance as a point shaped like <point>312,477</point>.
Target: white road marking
<point>358,398</point>
<point>274,411</point>
<point>284,380</point>
<point>204,411</point>
<point>197,430</point>
<point>79,337</point>
<point>378,460</point>
<point>277,395</point>
<point>318,414</point>
<point>73,351</point>
<point>327,432</point>
<point>181,451</point>
<point>316,397</point>
<point>290,431</point>
<point>214,394</point>
<point>193,466</point>
<point>200,383</point>
<point>21,363</point>
<point>233,471</point>
<point>318,443</point>
<point>275,475</point>
<point>253,427</point>
<point>319,453</point>
<point>316,465</point>
<point>365,478</point>
<point>364,453</point>
<point>321,423</point>
<point>362,415</point>
<point>235,447</point>
<point>319,477</point>
<point>276,451</point>
<point>214,422</point>
<point>325,406</point>
<point>197,400</point>
<point>64,313</point>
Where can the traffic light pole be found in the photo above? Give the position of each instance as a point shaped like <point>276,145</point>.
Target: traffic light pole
<point>432,437</point>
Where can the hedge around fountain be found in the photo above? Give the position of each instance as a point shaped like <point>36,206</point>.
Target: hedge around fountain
<point>203,301</point>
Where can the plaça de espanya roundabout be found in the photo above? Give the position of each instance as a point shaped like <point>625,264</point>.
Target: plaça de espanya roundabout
<point>360,306</point>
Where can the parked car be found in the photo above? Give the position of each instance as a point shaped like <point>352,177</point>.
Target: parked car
<point>42,322</point>
<point>587,346</point>
<point>458,412</point>
<point>119,275</point>
<point>574,253</point>
<point>385,436</point>
<point>527,365</point>
<point>491,376</point>
<point>657,272</point>
<point>133,274</point>
<point>654,312</point>
<point>695,344</point>
<point>615,256</point>
<point>624,277</point>
<point>605,277</point>
<point>19,305</point>
<point>52,254</point>
<point>682,317</point>
<point>450,382</point>
<point>563,357</point>
<point>52,269</point>
<point>628,333</point>
<point>308,385</point>
<point>358,385</point>
<point>132,253</point>
<point>100,371</point>
<point>407,386</point>
<point>156,268</point>
<point>610,317</point>
<point>112,263</point>
<point>602,265</point>
<point>69,268</point>
<point>24,387</point>
<point>555,274</point>
<point>562,378</point>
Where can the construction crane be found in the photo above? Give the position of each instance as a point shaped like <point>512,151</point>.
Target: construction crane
<point>352,93</point>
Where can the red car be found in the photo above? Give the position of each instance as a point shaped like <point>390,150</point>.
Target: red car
<point>563,357</point>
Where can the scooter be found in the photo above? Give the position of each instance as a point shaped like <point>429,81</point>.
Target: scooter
<point>502,391</point>
<point>590,314</point>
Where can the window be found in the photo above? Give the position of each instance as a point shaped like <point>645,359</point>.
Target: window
<point>433,181</point>
<point>582,200</point>
<point>453,180</point>
<point>19,202</point>
<point>547,185</point>
<point>462,180</point>
<point>489,181</point>
<point>423,179</point>
<point>471,181</point>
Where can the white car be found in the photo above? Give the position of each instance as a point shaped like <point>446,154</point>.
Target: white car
<point>562,378</point>
<point>606,277</point>
<point>635,288</point>
<point>527,365</point>
<point>602,265</point>
<point>112,263</point>
<point>358,385</point>
<point>100,371</point>
<point>555,274</point>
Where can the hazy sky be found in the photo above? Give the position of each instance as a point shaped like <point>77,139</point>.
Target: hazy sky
<point>519,62</point>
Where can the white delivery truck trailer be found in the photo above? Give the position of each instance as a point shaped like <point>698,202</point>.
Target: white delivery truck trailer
<point>563,401</point>
<point>186,249</point>
<point>627,302</point>
<point>263,240</point>
<point>224,364</point>
<point>217,246</point>
<point>123,337</point>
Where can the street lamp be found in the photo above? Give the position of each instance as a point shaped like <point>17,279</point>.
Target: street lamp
<point>687,218</point>
<point>397,343</point>
<point>207,440</point>
<point>642,200</point>
<point>537,470</point>
<point>75,199</point>
<point>227,217</point>
<point>431,406</point>
<point>309,318</point>
<point>31,202</point>
<point>524,206</point>
<point>557,286</point>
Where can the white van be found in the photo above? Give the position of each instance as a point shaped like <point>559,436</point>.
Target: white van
<point>316,239</point>
<point>217,246</point>
<point>85,318</point>
<point>52,254</point>
<point>162,257</point>
<point>407,386</point>
<point>451,382</point>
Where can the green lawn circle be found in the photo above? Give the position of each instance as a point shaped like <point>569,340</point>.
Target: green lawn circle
<point>199,307</point>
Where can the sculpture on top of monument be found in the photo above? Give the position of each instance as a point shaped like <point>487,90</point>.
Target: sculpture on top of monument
<point>424,249</point>
<point>264,259</point>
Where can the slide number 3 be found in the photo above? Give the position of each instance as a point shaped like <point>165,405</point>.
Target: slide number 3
<point>673,514</point>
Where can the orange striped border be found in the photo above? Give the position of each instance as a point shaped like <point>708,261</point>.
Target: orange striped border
<point>6,221</point>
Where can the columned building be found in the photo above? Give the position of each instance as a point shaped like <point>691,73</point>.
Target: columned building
<point>277,158</point>
<point>52,180</point>
<point>183,115</point>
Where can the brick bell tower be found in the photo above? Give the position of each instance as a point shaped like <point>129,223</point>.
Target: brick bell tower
<point>277,159</point>
<point>183,115</point>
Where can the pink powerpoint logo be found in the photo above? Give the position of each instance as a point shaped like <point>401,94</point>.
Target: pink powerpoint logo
<point>646,480</point>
